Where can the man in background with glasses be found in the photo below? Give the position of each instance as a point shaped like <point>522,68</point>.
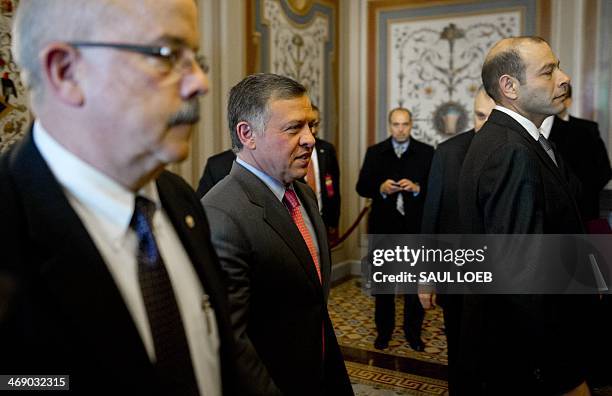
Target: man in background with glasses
<point>108,274</point>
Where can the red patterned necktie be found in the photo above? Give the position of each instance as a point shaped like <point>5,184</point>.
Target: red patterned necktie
<point>293,204</point>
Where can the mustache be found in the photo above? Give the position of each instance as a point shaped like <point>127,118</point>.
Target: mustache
<point>189,114</point>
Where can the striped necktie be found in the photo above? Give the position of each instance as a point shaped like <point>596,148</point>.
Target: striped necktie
<point>547,147</point>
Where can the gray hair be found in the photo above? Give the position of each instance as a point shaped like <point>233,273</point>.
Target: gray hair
<point>249,101</point>
<point>507,62</point>
<point>40,22</point>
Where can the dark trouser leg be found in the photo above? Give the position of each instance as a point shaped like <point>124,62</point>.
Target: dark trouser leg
<point>452,324</point>
<point>384,315</point>
<point>413,317</point>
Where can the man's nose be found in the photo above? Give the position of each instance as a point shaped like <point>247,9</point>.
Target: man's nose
<point>195,83</point>
<point>307,138</point>
<point>564,79</point>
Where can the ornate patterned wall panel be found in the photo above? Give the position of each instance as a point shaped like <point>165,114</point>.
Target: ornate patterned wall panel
<point>14,115</point>
<point>427,57</point>
<point>298,39</point>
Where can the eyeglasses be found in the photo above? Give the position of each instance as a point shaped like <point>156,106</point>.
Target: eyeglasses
<point>178,58</point>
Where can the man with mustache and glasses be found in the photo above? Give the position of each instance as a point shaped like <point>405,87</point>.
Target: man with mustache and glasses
<point>108,274</point>
<point>272,243</point>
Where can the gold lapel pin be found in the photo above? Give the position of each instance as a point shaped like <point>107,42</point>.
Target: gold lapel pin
<point>189,221</point>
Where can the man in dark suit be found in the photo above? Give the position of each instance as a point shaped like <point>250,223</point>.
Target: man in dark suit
<point>394,175</point>
<point>108,274</point>
<point>579,142</point>
<point>217,167</point>
<point>272,244</point>
<point>512,182</point>
<point>441,216</point>
<point>323,177</point>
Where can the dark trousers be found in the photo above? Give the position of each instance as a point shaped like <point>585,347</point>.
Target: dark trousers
<point>384,316</point>
<point>451,306</point>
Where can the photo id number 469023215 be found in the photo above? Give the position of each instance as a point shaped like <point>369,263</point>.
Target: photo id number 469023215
<point>34,382</point>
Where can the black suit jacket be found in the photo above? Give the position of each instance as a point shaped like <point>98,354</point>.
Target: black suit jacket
<point>530,344</point>
<point>580,144</point>
<point>329,182</point>
<point>441,211</point>
<point>61,310</point>
<point>381,163</point>
<point>279,307</point>
<point>217,167</point>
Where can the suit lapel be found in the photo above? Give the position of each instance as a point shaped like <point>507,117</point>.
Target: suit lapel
<point>277,216</point>
<point>194,235</point>
<point>322,162</point>
<point>509,122</point>
<point>72,269</point>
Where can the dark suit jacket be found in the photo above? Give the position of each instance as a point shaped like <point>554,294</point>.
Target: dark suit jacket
<point>217,167</point>
<point>381,163</point>
<point>441,211</point>
<point>526,343</point>
<point>329,182</point>
<point>61,310</point>
<point>279,308</point>
<point>580,144</point>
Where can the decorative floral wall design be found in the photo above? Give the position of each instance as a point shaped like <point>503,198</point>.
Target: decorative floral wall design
<point>14,114</point>
<point>435,68</point>
<point>298,51</point>
<point>298,39</point>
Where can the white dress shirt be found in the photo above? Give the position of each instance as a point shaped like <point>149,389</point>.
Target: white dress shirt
<point>105,208</point>
<point>317,179</point>
<point>546,126</point>
<point>525,123</point>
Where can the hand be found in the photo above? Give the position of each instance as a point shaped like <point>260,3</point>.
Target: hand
<point>390,187</point>
<point>428,300</point>
<point>409,185</point>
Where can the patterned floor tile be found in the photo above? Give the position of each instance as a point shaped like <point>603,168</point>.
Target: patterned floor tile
<point>352,313</point>
<point>375,381</point>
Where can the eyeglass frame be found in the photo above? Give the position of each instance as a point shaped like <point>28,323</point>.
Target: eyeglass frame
<point>167,52</point>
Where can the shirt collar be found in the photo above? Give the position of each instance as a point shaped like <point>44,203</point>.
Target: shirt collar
<point>274,185</point>
<point>93,189</point>
<point>547,126</point>
<point>403,145</point>
<point>525,123</point>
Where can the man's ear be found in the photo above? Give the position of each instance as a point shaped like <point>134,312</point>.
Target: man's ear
<point>508,87</point>
<point>59,63</point>
<point>246,135</point>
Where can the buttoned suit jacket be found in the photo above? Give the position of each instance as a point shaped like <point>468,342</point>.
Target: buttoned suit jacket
<point>279,307</point>
<point>381,163</point>
<point>217,167</point>
<point>61,310</point>
<point>580,144</point>
<point>509,185</point>
<point>329,173</point>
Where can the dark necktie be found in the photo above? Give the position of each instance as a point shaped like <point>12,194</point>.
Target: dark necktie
<point>171,348</point>
<point>547,147</point>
